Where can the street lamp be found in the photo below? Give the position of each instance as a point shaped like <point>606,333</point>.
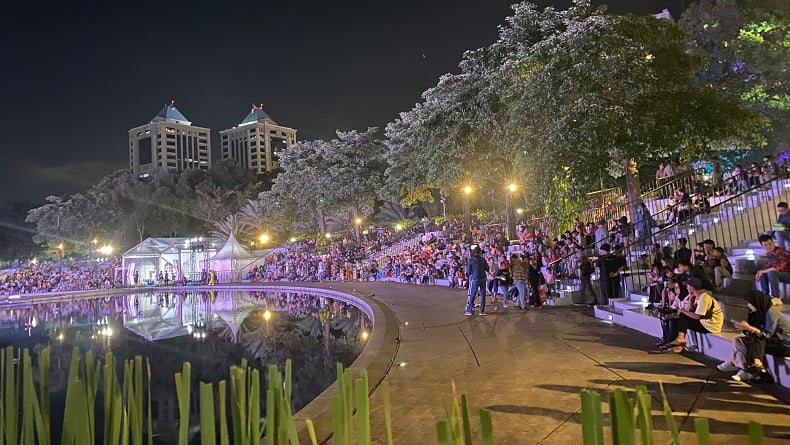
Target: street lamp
<point>105,250</point>
<point>508,211</point>
<point>357,222</point>
<point>467,210</point>
<point>444,207</point>
<point>264,238</point>
<point>60,257</point>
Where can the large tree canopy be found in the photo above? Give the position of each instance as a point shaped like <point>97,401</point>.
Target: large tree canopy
<point>748,43</point>
<point>336,178</point>
<point>561,95</point>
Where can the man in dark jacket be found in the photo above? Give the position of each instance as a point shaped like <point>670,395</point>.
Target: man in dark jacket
<point>609,266</point>
<point>476,270</point>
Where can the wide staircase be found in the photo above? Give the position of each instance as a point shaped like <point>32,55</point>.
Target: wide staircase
<point>733,222</point>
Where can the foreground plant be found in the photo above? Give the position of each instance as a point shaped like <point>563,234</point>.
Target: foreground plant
<point>632,418</point>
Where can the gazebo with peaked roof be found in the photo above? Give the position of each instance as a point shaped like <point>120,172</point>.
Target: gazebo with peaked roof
<point>232,261</point>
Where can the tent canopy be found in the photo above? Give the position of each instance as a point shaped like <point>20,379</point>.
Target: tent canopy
<point>232,250</point>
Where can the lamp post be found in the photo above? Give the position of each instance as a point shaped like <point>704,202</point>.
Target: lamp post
<point>60,257</point>
<point>508,211</point>
<point>444,208</point>
<point>357,222</point>
<point>467,210</point>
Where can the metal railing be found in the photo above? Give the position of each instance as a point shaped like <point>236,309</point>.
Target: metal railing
<point>731,221</point>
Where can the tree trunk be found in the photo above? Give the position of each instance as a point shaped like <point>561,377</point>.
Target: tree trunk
<point>321,222</point>
<point>632,186</point>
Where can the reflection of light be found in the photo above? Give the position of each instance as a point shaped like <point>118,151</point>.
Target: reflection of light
<point>105,250</point>
<point>267,315</point>
<point>402,364</point>
<point>750,252</point>
<point>398,227</point>
<point>644,299</point>
<point>715,220</point>
<point>739,208</point>
<point>61,336</point>
<point>328,235</point>
<point>691,231</point>
<point>365,335</point>
<point>293,240</point>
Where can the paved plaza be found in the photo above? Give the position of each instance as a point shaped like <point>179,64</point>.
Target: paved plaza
<point>528,369</point>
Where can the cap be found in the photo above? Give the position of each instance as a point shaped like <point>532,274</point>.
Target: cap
<point>695,282</point>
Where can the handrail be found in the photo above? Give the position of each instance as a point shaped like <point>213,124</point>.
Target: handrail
<point>772,185</point>
<point>725,212</point>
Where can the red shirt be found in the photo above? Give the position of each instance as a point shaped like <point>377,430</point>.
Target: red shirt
<point>779,259</point>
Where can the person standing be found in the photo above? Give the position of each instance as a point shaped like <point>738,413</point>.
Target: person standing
<point>504,280</point>
<point>534,278</point>
<point>586,270</point>
<point>609,267</point>
<point>476,270</point>
<point>518,271</point>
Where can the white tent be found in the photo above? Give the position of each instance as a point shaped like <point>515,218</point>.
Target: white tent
<point>231,261</point>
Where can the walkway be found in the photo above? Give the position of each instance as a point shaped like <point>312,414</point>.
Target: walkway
<point>528,369</point>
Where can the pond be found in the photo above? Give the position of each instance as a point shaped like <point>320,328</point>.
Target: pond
<point>212,330</point>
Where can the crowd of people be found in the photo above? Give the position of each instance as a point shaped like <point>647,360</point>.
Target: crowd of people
<point>51,277</point>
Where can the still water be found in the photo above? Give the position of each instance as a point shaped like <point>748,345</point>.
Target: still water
<point>211,330</point>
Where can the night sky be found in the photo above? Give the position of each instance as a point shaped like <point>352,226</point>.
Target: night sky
<point>76,77</point>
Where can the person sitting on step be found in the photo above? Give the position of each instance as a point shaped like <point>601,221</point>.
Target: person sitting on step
<point>707,317</point>
<point>777,267</point>
<point>766,330</point>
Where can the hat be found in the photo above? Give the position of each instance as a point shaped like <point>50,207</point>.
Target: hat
<point>605,247</point>
<point>695,282</point>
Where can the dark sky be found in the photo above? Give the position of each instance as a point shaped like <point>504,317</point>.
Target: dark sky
<point>76,76</point>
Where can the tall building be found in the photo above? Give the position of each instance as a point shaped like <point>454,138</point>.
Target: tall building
<point>257,141</point>
<point>170,142</point>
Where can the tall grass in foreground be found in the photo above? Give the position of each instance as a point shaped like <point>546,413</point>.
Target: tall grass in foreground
<point>128,421</point>
<point>632,420</point>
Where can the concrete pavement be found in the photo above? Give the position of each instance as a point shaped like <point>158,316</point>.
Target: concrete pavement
<point>528,369</point>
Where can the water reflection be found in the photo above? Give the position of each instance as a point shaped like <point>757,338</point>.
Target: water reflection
<point>212,330</point>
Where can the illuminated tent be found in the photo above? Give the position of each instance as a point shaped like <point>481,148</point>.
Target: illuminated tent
<point>232,261</point>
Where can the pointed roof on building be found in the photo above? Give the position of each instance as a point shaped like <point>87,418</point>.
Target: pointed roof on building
<point>256,114</point>
<point>171,113</point>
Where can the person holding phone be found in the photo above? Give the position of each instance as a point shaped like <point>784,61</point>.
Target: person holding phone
<point>766,330</point>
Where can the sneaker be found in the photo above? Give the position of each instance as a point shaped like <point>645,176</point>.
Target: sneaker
<point>727,367</point>
<point>467,314</point>
<point>743,376</point>
<point>504,306</point>
<point>482,313</point>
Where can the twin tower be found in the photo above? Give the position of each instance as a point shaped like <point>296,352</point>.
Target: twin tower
<point>170,141</point>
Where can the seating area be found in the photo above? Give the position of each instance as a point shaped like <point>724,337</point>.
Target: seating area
<point>734,223</point>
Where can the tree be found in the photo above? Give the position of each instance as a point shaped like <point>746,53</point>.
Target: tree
<point>336,177</point>
<point>563,94</point>
<point>749,47</point>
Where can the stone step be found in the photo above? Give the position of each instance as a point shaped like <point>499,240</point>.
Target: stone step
<point>718,346</point>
